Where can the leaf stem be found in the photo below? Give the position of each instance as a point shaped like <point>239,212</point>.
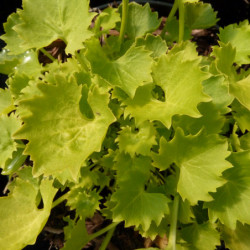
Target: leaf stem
<point>107,238</point>
<point>102,231</point>
<point>60,199</point>
<point>181,20</point>
<point>170,17</point>
<point>124,20</point>
<point>46,53</point>
<point>173,226</point>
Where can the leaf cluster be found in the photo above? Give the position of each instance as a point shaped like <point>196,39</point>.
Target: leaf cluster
<point>139,129</point>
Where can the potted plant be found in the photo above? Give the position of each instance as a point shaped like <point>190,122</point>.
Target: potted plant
<point>108,115</point>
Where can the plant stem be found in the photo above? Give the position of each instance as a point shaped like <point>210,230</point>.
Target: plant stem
<point>102,231</point>
<point>124,20</point>
<point>181,20</point>
<point>170,17</point>
<point>173,226</point>
<point>107,238</point>
<point>60,200</point>
<point>46,53</point>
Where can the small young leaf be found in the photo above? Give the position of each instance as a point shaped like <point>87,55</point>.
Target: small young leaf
<point>155,44</point>
<point>137,142</point>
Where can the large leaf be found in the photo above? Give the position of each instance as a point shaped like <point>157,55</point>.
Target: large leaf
<point>232,201</point>
<point>21,220</point>
<point>128,72</point>
<point>201,159</point>
<point>182,93</point>
<point>106,20</point>
<point>60,136</point>
<point>141,20</point>
<point>44,21</point>
<point>8,126</point>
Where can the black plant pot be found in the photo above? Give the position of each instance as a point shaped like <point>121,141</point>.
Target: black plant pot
<point>161,6</point>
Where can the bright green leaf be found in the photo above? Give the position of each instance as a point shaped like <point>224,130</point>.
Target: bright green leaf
<point>239,36</point>
<point>224,59</point>
<point>106,21</point>
<point>155,44</point>
<point>218,88</point>
<point>141,20</point>
<point>11,38</point>
<point>6,103</point>
<point>8,126</point>
<point>7,62</point>
<point>127,72</point>
<point>182,93</point>
<point>139,142</point>
<point>72,138</point>
<point>44,21</point>
<point>201,159</point>
<point>241,91</point>
<point>241,115</point>
<point>85,203</point>
<point>21,220</point>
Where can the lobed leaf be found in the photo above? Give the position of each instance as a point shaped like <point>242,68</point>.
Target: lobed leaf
<point>201,159</point>
<point>21,220</point>
<point>231,201</point>
<point>238,35</point>
<point>60,137</point>
<point>43,21</point>
<point>128,72</point>
<point>141,20</point>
